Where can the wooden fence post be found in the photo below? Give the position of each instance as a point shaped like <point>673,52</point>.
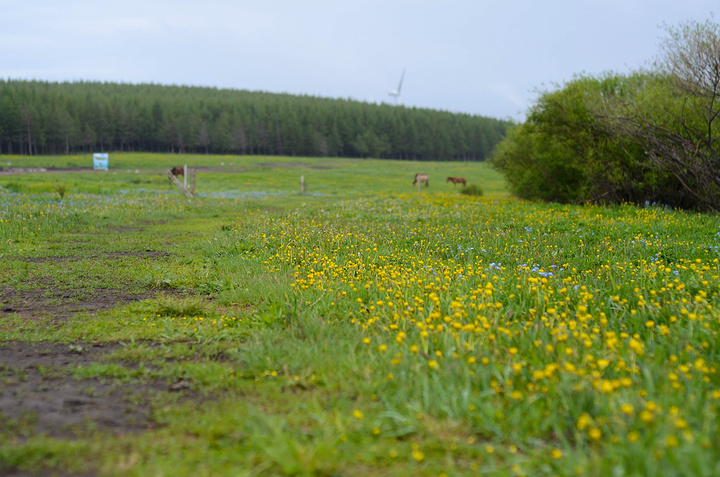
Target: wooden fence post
<point>179,184</point>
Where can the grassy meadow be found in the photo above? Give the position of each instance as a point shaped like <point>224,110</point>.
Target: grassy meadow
<point>361,328</point>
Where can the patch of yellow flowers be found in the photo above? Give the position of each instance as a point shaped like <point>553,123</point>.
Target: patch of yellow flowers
<point>544,301</point>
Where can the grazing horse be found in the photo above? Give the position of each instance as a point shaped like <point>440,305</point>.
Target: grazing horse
<point>177,171</point>
<point>421,178</point>
<point>456,180</point>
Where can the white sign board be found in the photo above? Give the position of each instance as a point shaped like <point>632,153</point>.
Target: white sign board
<point>100,161</point>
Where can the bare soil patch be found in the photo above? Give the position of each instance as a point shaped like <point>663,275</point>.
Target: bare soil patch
<point>62,304</point>
<point>8,171</point>
<point>150,254</point>
<point>44,473</point>
<point>37,394</point>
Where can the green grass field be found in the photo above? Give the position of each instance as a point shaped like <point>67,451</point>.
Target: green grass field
<point>359,329</point>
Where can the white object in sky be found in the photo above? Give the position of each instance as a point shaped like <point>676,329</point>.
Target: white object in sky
<point>396,93</point>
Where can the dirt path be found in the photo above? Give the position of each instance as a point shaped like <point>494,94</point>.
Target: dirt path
<point>60,303</point>
<point>38,393</point>
<point>9,171</point>
<point>39,396</point>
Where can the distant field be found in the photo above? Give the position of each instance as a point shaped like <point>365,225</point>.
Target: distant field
<point>244,174</point>
<point>359,329</point>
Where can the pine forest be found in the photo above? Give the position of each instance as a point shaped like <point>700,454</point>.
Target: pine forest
<point>63,118</point>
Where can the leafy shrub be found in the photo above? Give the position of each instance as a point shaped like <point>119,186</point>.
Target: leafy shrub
<point>472,189</point>
<point>564,152</point>
<point>649,136</point>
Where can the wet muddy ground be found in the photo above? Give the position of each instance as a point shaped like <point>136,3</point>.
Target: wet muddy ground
<point>38,395</point>
<point>48,299</point>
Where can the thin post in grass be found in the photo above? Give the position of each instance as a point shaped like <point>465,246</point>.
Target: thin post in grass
<point>185,171</point>
<point>302,185</point>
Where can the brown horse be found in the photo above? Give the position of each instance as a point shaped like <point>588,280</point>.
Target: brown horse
<point>421,178</point>
<point>177,171</point>
<point>456,180</point>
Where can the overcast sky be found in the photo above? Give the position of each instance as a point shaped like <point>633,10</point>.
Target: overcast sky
<point>473,56</point>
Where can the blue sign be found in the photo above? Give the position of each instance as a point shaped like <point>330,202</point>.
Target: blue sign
<point>100,161</point>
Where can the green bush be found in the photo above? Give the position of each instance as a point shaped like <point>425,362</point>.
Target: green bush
<point>648,136</point>
<point>552,155</point>
<point>568,151</point>
<point>472,189</point>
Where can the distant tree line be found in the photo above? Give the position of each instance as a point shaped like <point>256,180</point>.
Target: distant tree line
<point>651,136</point>
<point>62,118</point>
